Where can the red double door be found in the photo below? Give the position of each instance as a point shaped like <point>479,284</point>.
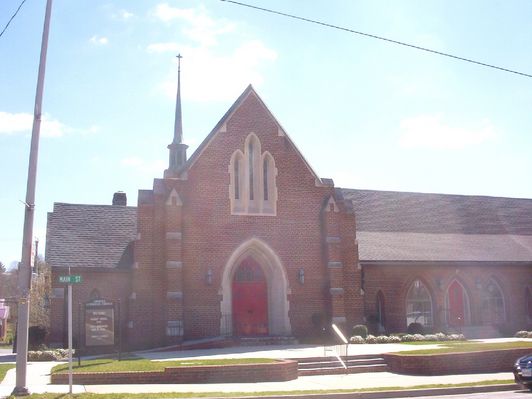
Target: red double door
<point>250,300</point>
<point>456,304</point>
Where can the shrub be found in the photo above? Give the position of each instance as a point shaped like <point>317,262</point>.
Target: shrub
<point>431,337</point>
<point>357,339</point>
<point>371,339</point>
<point>361,330</point>
<point>456,337</point>
<point>407,338</point>
<point>382,339</point>
<point>48,355</point>
<point>441,336</point>
<point>36,337</point>
<point>415,328</point>
<point>393,339</point>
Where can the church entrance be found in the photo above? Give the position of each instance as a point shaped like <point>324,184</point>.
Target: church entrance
<point>250,299</point>
<point>456,304</point>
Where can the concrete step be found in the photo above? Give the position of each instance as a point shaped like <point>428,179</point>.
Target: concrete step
<point>331,365</point>
<point>334,362</point>
<point>340,370</point>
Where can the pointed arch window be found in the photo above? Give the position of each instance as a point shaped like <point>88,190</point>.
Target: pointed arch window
<point>493,304</point>
<point>419,304</point>
<point>265,179</point>
<point>251,166</point>
<point>253,189</point>
<point>236,174</point>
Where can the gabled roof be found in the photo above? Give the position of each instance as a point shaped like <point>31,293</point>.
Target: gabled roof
<point>219,126</point>
<point>400,226</point>
<point>91,235</point>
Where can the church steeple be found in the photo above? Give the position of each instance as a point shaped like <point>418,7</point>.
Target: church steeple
<point>178,150</point>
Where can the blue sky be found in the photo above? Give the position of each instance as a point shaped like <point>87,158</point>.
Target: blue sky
<point>366,113</point>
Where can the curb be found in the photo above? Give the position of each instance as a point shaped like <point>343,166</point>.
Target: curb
<point>392,394</point>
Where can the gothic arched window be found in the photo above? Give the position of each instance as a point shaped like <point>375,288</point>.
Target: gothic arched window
<point>418,304</point>
<point>493,304</point>
<point>253,189</point>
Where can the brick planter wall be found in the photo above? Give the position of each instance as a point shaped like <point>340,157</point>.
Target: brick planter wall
<point>455,363</point>
<point>281,370</point>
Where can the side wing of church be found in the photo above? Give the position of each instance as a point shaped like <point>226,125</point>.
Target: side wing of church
<point>245,240</point>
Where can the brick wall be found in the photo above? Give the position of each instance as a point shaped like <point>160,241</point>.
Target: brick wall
<point>281,370</point>
<point>211,234</point>
<point>455,363</point>
<point>113,285</point>
<point>395,279</point>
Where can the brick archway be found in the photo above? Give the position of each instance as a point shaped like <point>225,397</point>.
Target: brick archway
<point>276,281</point>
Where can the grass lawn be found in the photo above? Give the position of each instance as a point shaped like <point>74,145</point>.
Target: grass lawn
<point>179,395</point>
<point>141,364</point>
<point>3,370</point>
<point>466,346</point>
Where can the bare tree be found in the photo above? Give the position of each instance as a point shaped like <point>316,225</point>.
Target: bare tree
<point>40,295</point>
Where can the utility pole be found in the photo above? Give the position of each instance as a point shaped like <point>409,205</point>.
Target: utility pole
<point>24,274</point>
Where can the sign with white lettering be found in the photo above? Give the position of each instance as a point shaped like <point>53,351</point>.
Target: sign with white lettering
<point>70,279</point>
<point>99,324</point>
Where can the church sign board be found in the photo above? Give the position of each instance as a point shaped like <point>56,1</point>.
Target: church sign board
<point>99,323</point>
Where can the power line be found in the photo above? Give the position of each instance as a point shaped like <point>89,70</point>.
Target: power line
<point>377,37</point>
<point>11,19</point>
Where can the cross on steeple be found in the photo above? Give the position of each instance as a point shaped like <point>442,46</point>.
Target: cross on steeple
<point>178,150</point>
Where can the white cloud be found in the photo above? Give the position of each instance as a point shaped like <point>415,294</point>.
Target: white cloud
<point>211,77</point>
<point>22,123</point>
<point>208,73</point>
<point>99,40</point>
<point>125,15</point>
<point>431,131</point>
<point>199,26</point>
<point>16,123</point>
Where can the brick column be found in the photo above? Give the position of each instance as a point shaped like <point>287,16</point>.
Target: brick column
<point>333,260</point>
<point>174,268</point>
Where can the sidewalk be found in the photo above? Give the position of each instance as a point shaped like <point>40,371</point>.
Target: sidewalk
<point>39,378</point>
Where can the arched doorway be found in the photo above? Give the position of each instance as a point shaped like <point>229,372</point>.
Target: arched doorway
<point>277,289</point>
<point>250,299</point>
<point>457,304</point>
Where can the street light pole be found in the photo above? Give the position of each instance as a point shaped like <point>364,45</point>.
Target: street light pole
<point>24,273</point>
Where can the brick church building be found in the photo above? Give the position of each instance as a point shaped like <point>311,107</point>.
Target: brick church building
<point>244,239</point>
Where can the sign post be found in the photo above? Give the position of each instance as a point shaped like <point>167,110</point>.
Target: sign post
<point>70,279</point>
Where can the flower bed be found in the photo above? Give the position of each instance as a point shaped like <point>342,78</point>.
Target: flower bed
<point>392,339</point>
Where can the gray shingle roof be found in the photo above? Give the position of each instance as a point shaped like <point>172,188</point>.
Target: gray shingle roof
<point>90,235</point>
<point>440,213</point>
<point>397,226</point>
<point>393,246</point>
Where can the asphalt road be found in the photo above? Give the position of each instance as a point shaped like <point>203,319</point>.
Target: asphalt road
<point>7,355</point>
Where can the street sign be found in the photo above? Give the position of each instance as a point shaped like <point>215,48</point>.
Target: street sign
<point>70,279</point>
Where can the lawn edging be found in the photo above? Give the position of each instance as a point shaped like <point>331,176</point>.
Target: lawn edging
<point>489,361</point>
<point>280,370</point>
